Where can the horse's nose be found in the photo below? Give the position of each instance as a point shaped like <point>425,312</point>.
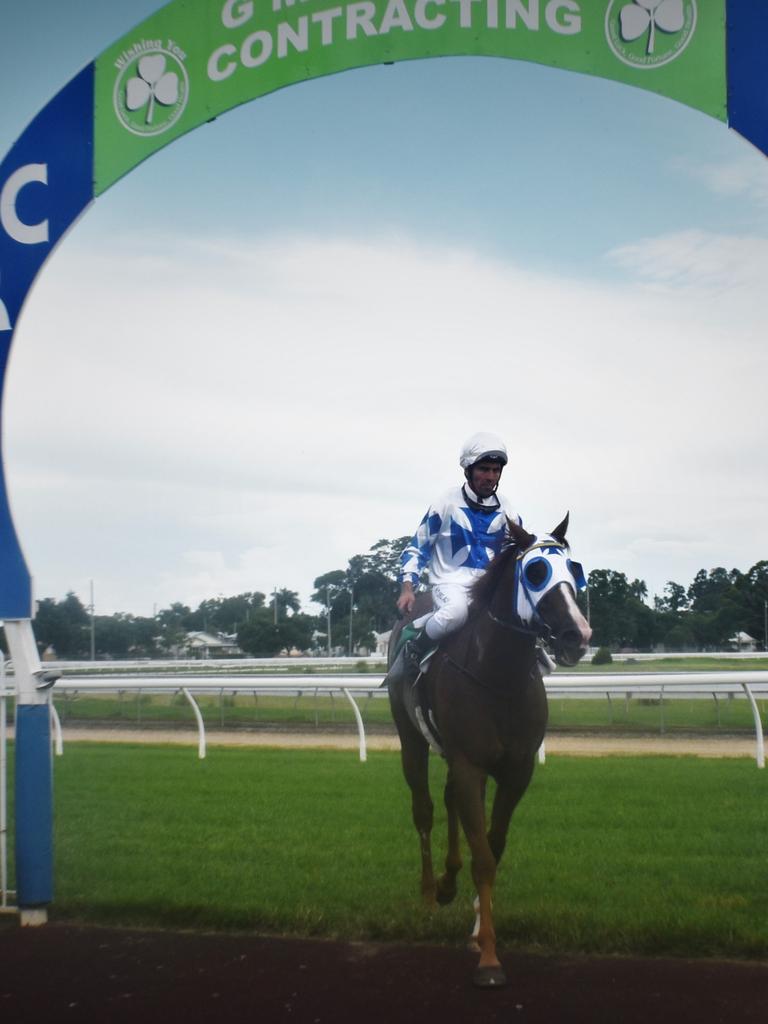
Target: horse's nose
<point>580,629</point>
<point>572,638</point>
<point>571,645</point>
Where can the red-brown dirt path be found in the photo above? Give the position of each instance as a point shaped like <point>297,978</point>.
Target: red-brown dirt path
<point>61,973</point>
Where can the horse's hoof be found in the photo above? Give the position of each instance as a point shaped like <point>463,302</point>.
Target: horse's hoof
<point>445,895</point>
<point>489,977</point>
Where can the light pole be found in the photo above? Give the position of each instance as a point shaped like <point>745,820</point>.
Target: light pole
<point>93,626</point>
<point>328,606</point>
<point>351,604</point>
<point>765,625</point>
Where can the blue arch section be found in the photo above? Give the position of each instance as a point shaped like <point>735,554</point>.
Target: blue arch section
<point>53,160</point>
<point>747,70</point>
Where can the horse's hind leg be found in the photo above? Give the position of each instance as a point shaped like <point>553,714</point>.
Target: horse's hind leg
<point>415,761</point>
<point>446,885</point>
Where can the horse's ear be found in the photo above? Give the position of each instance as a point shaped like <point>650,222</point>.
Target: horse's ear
<point>518,535</point>
<point>559,531</point>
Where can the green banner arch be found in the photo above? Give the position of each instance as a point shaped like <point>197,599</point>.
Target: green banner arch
<point>196,59</point>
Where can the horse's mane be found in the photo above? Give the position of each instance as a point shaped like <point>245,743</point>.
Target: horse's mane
<point>484,588</point>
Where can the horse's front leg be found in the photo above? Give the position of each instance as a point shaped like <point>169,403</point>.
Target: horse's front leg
<point>446,885</point>
<point>511,786</point>
<point>470,790</point>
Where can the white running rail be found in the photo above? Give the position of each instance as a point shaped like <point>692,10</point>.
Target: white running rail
<point>662,686</point>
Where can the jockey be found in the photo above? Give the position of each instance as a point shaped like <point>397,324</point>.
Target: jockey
<point>456,540</point>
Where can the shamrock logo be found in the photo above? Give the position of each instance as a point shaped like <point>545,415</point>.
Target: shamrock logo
<point>152,84</point>
<point>649,33</point>
<point>643,16</point>
<point>151,89</point>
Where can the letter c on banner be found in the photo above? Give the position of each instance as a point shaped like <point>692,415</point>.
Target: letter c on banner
<point>27,234</point>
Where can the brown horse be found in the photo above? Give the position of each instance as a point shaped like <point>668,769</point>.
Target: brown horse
<point>487,701</point>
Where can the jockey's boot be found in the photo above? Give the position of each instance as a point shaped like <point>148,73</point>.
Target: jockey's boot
<point>417,645</point>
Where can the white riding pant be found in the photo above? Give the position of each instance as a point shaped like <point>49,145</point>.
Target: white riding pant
<point>451,609</point>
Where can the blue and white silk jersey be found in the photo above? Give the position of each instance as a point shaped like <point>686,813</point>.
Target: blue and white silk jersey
<point>457,538</point>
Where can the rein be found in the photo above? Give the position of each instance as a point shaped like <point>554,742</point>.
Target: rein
<point>516,627</point>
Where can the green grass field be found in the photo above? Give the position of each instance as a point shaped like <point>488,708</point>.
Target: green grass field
<point>613,855</point>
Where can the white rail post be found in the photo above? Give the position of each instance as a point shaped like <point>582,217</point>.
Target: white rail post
<point>58,741</point>
<point>200,723</point>
<point>359,720</point>
<point>759,743</point>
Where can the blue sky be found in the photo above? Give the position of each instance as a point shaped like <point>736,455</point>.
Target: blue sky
<point>260,351</point>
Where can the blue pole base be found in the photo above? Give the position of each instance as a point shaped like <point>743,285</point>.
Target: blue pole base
<point>34,806</point>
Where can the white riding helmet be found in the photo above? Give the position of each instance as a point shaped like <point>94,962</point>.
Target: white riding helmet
<point>482,446</point>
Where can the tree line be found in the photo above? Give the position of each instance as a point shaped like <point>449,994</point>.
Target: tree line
<point>717,605</point>
<point>359,601</point>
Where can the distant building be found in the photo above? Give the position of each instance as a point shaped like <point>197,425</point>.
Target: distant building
<point>382,643</point>
<point>742,641</point>
<point>210,645</point>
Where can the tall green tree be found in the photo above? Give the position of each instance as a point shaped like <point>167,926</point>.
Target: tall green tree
<point>63,625</point>
<point>287,602</point>
<point>710,589</point>
<point>260,637</point>
<point>753,600</point>
<point>174,623</point>
<point>674,599</point>
<point>225,614</point>
<point>716,607</point>
<point>126,636</point>
<point>367,589</point>
<point>618,616</point>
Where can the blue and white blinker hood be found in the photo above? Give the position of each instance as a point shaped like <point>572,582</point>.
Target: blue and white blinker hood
<point>542,566</point>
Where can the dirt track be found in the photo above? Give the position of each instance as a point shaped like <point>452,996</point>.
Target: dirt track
<point>62,973</point>
<point>576,745</point>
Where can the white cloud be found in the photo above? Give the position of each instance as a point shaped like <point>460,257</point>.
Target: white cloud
<point>698,260</point>
<point>186,418</point>
<point>743,176</point>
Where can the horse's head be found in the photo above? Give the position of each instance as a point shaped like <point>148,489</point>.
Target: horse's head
<point>546,583</point>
